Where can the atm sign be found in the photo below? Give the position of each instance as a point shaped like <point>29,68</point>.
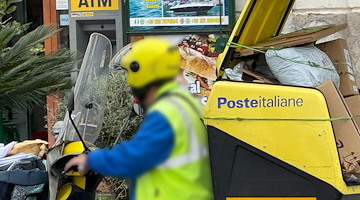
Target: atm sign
<point>94,5</point>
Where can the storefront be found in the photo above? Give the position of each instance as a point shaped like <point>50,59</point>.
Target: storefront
<point>122,21</point>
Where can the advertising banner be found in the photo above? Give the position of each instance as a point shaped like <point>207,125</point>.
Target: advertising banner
<point>198,62</point>
<point>175,13</point>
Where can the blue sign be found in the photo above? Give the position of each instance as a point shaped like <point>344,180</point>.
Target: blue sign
<point>64,20</point>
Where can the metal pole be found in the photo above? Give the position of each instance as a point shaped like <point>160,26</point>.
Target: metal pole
<point>124,125</point>
<point>86,123</point>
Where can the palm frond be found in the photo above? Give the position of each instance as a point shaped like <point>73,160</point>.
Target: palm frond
<point>28,82</point>
<point>26,43</point>
<point>26,74</point>
<point>9,30</point>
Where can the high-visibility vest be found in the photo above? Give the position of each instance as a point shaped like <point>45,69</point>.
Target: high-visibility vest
<point>185,175</point>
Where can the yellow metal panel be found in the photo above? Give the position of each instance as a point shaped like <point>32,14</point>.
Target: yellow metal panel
<point>307,145</point>
<point>260,20</point>
<point>265,19</point>
<point>94,5</point>
<point>64,192</point>
<point>80,181</point>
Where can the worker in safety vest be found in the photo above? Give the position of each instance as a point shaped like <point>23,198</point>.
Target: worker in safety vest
<point>167,159</point>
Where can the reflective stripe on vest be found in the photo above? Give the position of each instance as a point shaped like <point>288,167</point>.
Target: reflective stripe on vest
<point>196,151</point>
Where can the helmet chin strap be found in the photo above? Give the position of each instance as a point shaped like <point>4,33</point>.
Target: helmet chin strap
<point>140,95</point>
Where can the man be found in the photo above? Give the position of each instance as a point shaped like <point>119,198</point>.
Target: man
<point>168,157</point>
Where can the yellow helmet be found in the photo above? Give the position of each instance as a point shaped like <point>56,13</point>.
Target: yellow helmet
<point>148,61</point>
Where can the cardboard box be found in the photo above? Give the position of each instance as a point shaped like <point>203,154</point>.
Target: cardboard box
<point>353,103</point>
<point>345,131</point>
<point>249,75</point>
<point>339,54</point>
<point>301,37</point>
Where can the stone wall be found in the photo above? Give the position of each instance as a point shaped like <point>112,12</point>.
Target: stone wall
<point>308,13</point>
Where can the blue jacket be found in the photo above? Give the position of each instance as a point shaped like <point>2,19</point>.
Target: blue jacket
<point>150,146</point>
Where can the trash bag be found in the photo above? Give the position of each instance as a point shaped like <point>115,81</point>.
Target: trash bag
<point>36,147</point>
<point>18,184</point>
<point>234,74</point>
<point>302,66</point>
<point>4,149</point>
<point>263,68</point>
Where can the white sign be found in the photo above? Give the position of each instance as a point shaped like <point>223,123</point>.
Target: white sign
<point>64,20</point>
<point>62,5</point>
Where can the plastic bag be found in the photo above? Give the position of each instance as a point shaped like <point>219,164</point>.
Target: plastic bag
<point>263,68</point>
<point>235,74</point>
<point>36,147</point>
<point>302,66</point>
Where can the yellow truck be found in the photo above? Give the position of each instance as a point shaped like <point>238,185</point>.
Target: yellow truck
<point>271,142</point>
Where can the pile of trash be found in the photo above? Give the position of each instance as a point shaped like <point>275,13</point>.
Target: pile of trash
<point>22,170</point>
<point>291,60</point>
<point>296,60</point>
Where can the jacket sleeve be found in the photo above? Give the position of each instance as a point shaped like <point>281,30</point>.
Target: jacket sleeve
<point>151,145</point>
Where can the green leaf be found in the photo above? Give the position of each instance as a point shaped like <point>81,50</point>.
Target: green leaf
<point>29,40</point>
<point>11,9</point>
<point>14,1</point>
